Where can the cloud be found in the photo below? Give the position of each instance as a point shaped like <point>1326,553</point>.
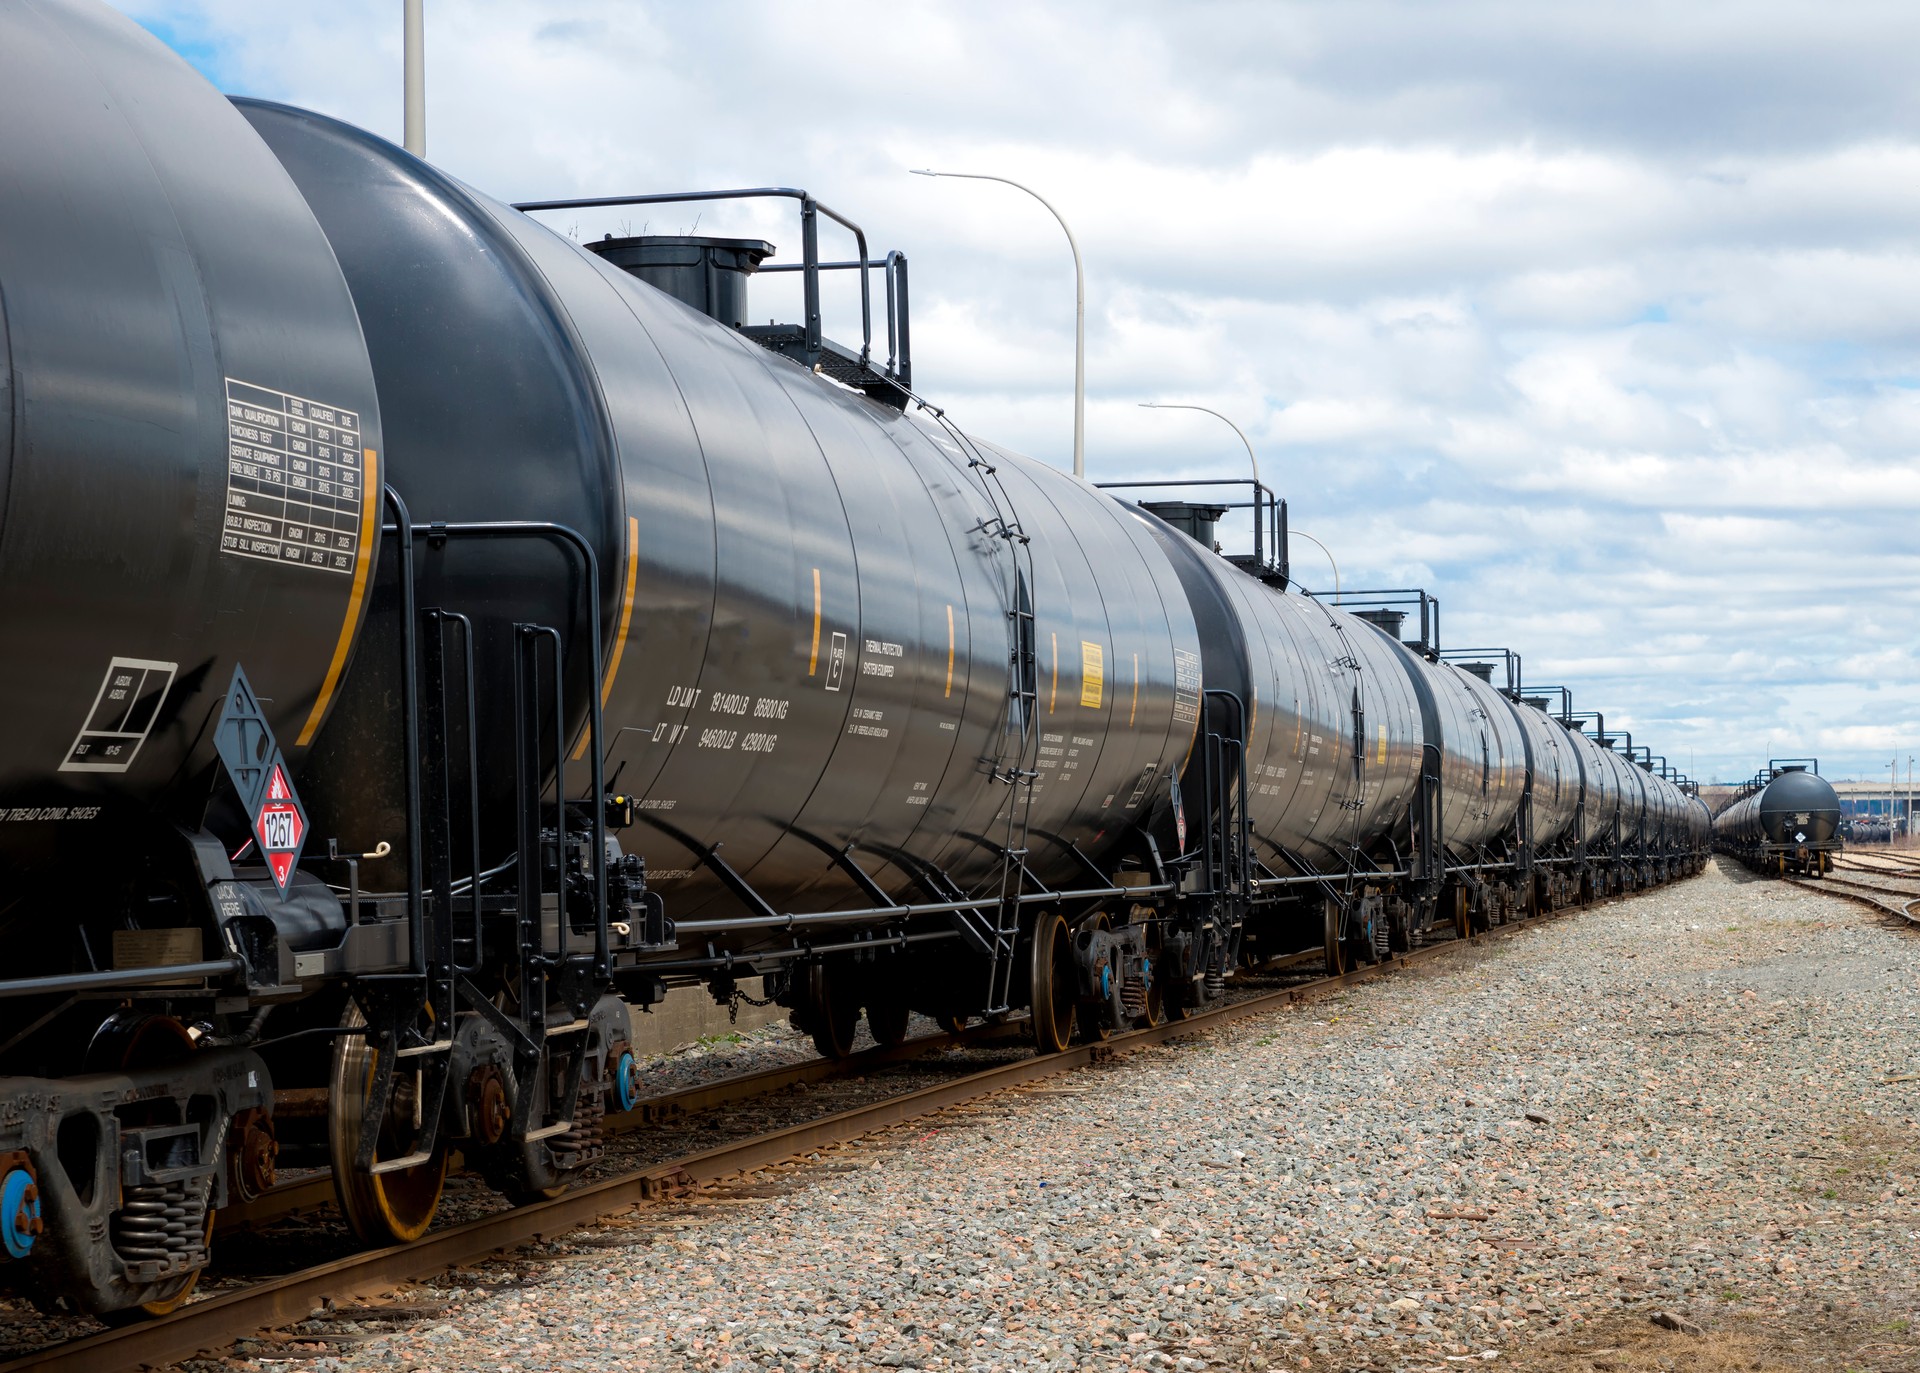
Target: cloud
<point>1601,322</point>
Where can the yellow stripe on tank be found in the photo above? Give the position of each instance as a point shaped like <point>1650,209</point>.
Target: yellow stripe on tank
<point>620,635</point>
<point>362,562</point>
<point>813,654</point>
<point>626,608</point>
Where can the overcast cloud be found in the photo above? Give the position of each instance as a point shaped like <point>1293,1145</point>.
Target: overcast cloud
<point>1600,322</point>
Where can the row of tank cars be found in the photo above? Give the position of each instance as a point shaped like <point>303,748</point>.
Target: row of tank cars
<point>432,638</point>
<point>1785,819</point>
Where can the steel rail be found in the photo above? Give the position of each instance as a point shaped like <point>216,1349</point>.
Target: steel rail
<point>1865,894</point>
<point>1887,865</point>
<point>215,1323</point>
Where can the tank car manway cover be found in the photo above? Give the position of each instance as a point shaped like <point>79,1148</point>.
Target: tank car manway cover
<point>259,774</point>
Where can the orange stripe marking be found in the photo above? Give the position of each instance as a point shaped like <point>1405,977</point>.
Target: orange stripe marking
<point>813,654</point>
<point>620,635</point>
<point>363,561</point>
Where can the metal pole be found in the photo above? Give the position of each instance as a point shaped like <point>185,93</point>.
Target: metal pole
<point>415,81</point>
<point>1079,314</point>
<point>1167,405</point>
<point>1324,549</point>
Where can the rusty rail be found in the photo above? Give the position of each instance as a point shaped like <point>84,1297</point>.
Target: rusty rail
<point>1865,894</point>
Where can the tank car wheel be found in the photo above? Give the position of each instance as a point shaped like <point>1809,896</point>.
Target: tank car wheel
<point>952,1024</point>
<point>1156,1013</point>
<point>1054,984</point>
<point>129,1041</point>
<point>832,1015</point>
<point>1176,1002</point>
<point>1338,956</point>
<point>1092,1023</point>
<point>381,1208</point>
<point>1160,1004</point>
<point>887,1017</point>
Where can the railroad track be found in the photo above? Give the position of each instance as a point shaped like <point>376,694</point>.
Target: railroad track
<point>315,1191</point>
<point>1887,865</point>
<point>216,1322</point>
<point>1886,899</point>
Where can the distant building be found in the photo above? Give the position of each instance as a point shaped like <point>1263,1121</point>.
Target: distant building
<point>1872,801</point>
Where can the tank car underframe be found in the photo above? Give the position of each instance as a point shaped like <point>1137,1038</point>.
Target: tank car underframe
<point>1159,934</point>
<point>1369,911</point>
<point>1812,858</point>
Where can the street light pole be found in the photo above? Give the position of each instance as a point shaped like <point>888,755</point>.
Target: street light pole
<point>1301,533</point>
<point>1079,312</point>
<point>414,80</point>
<point>1167,405</point>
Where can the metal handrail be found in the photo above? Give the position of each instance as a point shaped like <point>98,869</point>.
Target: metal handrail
<point>1389,597</point>
<point>1269,517</point>
<point>809,240</point>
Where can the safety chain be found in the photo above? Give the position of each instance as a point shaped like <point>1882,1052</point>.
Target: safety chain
<point>733,1004</point>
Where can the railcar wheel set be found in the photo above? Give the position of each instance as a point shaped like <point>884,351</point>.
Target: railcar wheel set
<point>433,637</point>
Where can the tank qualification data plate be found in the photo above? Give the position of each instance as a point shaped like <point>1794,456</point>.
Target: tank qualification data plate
<point>293,479</point>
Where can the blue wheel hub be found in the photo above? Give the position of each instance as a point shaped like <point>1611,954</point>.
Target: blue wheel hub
<point>1106,982</point>
<point>626,1081</point>
<point>19,1212</point>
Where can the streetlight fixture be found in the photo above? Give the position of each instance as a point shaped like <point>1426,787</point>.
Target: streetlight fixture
<point>1259,486</point>
<point>1301,533</point>
<point>1168,405</point>
<point>1255,463</point>
<point>1079,313</point>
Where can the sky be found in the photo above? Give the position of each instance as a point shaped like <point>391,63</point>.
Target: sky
<point>1600,323</point>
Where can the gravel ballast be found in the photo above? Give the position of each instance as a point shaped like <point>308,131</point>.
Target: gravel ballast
<point>1673,1104</point>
